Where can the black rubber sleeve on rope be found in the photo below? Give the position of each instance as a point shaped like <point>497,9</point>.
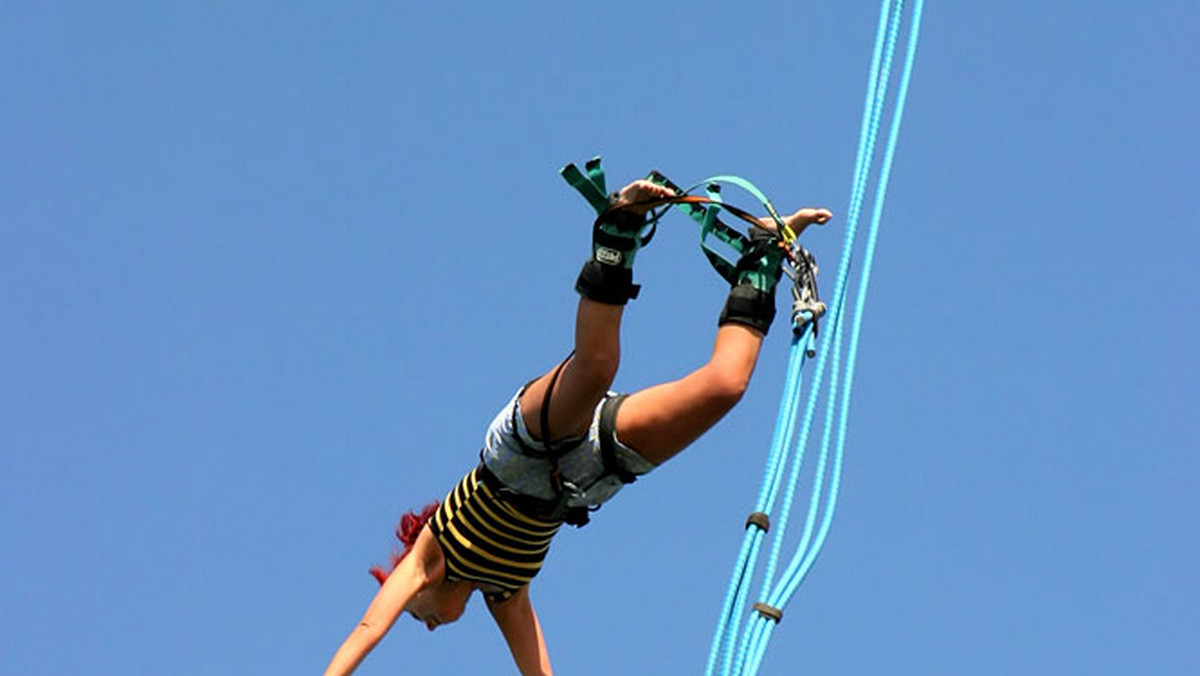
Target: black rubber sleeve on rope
<point>759,519</point>
<point>769,612</point>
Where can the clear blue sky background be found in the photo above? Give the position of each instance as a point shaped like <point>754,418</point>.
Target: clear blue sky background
<point>268,269</point>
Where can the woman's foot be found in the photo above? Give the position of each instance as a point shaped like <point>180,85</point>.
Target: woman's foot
<point>639,192</point>
<point>619,231</point>
<point>799,220</point>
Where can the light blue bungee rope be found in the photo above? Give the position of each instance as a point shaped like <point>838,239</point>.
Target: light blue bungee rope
<point>740,652</point>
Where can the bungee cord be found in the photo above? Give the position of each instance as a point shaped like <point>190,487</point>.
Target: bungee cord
<point>739,650</point>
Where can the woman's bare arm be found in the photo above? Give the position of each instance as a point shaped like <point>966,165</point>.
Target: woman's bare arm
<point>410,577</point>
<point>519,624</point>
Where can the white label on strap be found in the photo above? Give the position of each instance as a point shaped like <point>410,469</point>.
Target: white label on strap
<point>608,256</point>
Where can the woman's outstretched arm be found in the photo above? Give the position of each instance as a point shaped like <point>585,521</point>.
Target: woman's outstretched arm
<point>411,576</point>
<point>519,624</point>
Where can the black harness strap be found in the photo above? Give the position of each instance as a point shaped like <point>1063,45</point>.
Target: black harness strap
<point>608,440</point>
<point>553,450</point>
<point>563,489</point>
<point>544,418</point>
<point>538,507</point>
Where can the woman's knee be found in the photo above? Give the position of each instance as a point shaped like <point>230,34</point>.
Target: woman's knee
<point>596,367</point>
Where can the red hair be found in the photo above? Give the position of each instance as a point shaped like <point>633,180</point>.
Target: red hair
<point>406,532</point>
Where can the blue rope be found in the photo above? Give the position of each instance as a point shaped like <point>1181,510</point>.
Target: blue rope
<point>802,553</point>
<point>861,296</point>
<point>740,651</point>
<point>752,540</point>
<point>758,626</point>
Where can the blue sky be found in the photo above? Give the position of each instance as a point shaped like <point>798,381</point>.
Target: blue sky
<point>268,269</point>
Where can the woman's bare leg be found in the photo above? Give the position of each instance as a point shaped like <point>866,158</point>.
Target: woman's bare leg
<point>586,377</point>
<point>661,421</point>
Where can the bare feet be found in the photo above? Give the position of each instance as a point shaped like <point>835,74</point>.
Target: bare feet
<point>641,191</point>
<point>799,220</point>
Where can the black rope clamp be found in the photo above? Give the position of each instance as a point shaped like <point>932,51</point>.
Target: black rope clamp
<point>769,612</point>
<point>759,519</point>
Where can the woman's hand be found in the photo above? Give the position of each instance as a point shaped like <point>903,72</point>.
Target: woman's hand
<point>422,567</point>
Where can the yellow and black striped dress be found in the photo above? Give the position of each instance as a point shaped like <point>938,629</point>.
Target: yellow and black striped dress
<point>487,540</point>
